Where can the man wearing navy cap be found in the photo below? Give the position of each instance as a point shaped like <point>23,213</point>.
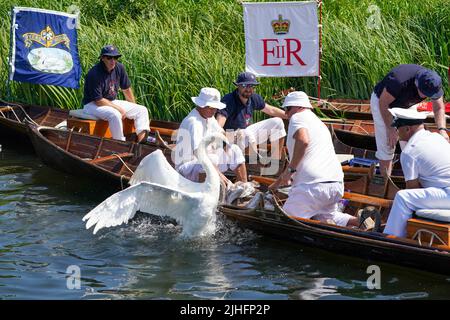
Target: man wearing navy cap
<point>101,87</point>
<point>238,114</point>
<point>425,162</point>
<point>403,87</point>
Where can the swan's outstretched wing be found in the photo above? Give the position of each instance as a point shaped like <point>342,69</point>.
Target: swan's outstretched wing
<point>155,168</point>
<point>155,199</point>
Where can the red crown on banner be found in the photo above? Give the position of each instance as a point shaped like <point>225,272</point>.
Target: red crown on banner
<point>280,26</point>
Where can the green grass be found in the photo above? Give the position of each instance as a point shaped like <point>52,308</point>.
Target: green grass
<point>173,48</point>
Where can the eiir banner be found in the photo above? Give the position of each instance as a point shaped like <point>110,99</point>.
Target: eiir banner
<point>282,39</point>
<point>44,47</point>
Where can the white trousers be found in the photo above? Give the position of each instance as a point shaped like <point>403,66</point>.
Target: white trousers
<point>384,151</point>
<point>409,200</point>
<point>224,160</point>
<point>270,129</point>
<point>317,201</point>
<point>132,111</point>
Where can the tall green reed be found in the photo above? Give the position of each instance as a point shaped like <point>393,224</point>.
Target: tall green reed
<point>173,48</point>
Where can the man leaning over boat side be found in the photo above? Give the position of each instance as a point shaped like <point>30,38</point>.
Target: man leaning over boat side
<point>199,123</point>
<point>425,161</point>
<point>101,87</point>
<point>404,86</point>
<point>236,118</point>
<point>317,175</point>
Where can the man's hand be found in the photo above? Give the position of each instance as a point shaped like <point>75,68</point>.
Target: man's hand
<point>392,136</point>
<point>283,180</point>
<point>123,113</point>
<point>224,179</point>
<point>444,134</point>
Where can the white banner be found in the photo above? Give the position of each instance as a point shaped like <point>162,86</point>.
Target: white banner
<point>281,39</point>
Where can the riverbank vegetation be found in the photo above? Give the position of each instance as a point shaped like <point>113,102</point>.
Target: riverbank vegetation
<point>173,48</point>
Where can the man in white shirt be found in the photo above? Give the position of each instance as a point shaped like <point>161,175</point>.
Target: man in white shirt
<point>317,175</point>
<point>199,123</point>
<point>425,162</point>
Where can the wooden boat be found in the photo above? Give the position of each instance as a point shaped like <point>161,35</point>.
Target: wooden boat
<point>274,222</point>
<point>13,116</point>
<point>351,109</point>
<point>361,134</point>
<point>109,161</point>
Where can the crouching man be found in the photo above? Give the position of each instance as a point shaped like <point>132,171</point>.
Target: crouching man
<point>199,123</point>
<point>426,165</point>
<point>317,175</point>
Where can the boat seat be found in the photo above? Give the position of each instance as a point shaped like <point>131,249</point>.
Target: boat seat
<point>85,123</point>
<point>79,113</point>
<point>442,215</point>
<point>430,227</point>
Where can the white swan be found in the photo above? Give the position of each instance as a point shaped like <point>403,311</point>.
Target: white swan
<point>157,188</point>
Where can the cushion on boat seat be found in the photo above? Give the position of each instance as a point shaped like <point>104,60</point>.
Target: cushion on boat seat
<point>79,113</point>
<point>442,215</point>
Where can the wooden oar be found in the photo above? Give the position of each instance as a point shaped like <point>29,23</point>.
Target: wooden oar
<point>369,200</point>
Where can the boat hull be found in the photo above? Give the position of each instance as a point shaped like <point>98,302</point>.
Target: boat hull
<point>372,246</point>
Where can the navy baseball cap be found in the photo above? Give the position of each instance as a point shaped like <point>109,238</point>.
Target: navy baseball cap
<point>110,50</point>
<point>430,84</point>
<point>245,78</point>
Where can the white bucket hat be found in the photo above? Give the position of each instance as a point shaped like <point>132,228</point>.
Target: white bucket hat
<point>297,99</point>
<point>209,97</point>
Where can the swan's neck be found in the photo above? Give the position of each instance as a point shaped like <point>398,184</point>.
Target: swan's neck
<point>212,181</point>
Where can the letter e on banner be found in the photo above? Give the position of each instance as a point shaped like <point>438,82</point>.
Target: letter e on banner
<point>281,39</point>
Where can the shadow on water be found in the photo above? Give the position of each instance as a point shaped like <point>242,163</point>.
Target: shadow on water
<point>43,234</point>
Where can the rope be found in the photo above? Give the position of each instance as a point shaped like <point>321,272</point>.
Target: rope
<point>354,125</point>
<point>14,113</point>
<point>123,162</point>
<point>419,233</point>
<point>121,181</point>
<point>336,102</point>
<point>11,105</point>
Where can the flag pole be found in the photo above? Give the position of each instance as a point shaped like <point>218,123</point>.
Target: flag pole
<point>8,80</point>
<point>319,4</point>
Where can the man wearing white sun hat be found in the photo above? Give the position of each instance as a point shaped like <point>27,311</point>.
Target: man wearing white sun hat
<point>425,161</point>
<point>317,175</point>
<point>199,123</point>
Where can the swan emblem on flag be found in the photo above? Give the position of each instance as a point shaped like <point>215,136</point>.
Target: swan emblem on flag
<point>47,58</point>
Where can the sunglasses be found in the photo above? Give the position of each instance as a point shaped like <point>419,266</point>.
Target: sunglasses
<point>109,58</point>
<point>250,86</point>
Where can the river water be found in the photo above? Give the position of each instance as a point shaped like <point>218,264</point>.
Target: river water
<point>44,245</point>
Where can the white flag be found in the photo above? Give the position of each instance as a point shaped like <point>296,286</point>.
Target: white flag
<point>281,39</point>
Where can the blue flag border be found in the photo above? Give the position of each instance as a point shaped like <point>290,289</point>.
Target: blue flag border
<point>14,12</point>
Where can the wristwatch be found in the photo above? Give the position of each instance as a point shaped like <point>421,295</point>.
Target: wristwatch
<point>440,129</point>
<point>292,170</point>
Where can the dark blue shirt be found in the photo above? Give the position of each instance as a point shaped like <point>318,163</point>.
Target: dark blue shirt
<point>400,83</point>
<point>99,83</point>
<point>238,115</point>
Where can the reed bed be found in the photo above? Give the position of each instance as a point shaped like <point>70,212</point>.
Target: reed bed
<point>173,48</point>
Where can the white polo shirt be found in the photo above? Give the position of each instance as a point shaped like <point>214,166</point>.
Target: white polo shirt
<point>426,157</point>
<point>192,130</point>
<point>320,163</point>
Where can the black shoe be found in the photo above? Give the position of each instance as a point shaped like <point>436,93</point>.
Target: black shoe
<point>370,219</point>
